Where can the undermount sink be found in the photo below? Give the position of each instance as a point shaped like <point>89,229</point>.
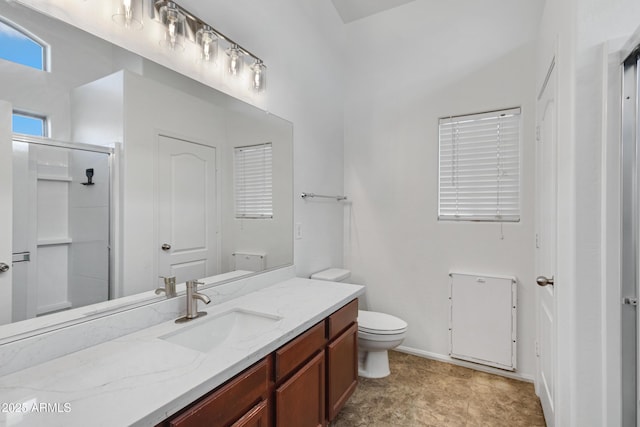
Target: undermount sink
<point>231,326</point>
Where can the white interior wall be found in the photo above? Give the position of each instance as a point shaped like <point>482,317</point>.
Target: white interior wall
<point>400,81</point>
<point>269,236</point>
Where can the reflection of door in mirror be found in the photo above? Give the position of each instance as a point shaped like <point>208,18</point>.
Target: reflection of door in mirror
<point>187,212</point>
<point>60,228</point>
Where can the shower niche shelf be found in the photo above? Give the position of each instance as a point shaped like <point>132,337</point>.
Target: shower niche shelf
<point>57,241</point>
<point>43,177</point>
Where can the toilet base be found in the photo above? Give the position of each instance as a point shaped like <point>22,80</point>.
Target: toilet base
<point>373,363</point>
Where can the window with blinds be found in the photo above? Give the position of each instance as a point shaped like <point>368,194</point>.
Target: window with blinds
<point>479,177</point>
<point>253,176</point>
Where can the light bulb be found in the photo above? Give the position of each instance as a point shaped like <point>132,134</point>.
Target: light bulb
<point>259,76</point>
<point>235,60</point>
<point>173,19</point>
<point>128,14</point>
<point>207,39</point>
<point>126,4</point>
<point>172,33</point>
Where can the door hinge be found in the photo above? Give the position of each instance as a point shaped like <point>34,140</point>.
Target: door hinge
<point>630,301</point>
<point>538,133</point>
<point>537,241</point>
<point>537,349</point>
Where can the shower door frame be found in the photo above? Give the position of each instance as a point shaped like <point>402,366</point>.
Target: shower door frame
<point>630,238</point>
<point>109,151</point>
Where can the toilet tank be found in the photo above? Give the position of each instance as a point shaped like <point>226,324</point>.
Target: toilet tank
<point>332,275</point>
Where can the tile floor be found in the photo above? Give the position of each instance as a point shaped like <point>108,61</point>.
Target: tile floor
<point>423,392</point>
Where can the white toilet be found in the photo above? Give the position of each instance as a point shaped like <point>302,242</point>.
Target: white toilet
<point>377,332</point>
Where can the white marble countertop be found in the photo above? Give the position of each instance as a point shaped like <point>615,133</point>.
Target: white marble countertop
<point>140,379</point>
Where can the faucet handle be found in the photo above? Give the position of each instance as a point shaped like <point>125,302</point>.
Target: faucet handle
<point>168,279</point>
<point>169,286</point>
<point>194,283</point>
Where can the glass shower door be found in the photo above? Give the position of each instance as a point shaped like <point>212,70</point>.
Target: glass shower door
<point>61,228</point>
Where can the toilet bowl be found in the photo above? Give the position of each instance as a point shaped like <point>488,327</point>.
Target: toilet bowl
<point>377,332</point>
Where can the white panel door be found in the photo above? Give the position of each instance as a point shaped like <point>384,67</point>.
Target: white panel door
<point>187,212</point>
<point>6,212</point>
<point>546,218</point>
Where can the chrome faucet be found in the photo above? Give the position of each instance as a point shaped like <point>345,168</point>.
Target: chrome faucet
<point>192,302</point>
<point>169,287</point>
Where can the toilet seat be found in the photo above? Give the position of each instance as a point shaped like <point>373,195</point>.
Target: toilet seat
<point>376,323</point>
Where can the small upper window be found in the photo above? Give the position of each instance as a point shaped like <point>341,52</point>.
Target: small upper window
<point>19,47</point>
<point>29,124</point>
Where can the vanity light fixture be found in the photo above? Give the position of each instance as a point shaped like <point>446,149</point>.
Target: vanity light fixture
<point>234,60</point>
<point>128,13</point>
<point>180,23</point>
<point>258,76</point>
<point>207,40</point>
<point>174,21</point>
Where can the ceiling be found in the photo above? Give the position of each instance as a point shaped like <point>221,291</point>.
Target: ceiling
<point>352,10</point>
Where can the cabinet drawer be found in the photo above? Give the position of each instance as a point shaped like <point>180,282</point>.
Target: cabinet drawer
<point>229,403</point>
<point>343,318</point>
<point>298,351</point>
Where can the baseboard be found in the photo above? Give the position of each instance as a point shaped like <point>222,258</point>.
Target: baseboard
<point>470,365</point>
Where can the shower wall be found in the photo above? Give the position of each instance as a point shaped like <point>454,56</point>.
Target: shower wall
<point>63,225</point>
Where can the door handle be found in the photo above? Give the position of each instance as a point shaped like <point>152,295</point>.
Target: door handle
<point>165,246</point>
<point>543,281</point>
<point>3,267</point>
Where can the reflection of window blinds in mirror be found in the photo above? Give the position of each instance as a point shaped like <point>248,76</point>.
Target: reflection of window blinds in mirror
<point>253,181</point>
<point>480,167</point>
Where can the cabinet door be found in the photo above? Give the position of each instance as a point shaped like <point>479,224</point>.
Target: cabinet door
<point>258,416</point>
<point>300,401</point>
<point>342,370</point>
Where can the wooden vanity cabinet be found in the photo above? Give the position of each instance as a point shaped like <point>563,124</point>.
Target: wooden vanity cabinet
<point>342,357</point>
<point>304,383</point>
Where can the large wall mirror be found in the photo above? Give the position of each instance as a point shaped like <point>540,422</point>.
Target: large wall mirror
<point>142,173</point>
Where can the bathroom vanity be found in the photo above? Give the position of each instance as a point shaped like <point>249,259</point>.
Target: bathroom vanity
<point>305,382</point>
<point>288,351</point>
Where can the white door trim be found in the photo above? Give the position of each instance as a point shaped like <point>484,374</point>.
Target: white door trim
<point>546,244</point>
<point>6,213</point>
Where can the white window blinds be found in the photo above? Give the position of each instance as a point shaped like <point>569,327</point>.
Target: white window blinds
<point>253,181</point>
<point>480,167</point>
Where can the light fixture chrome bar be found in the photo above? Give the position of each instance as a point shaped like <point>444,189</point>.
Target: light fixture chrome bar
<point>193,24</point>
<point>312,195</point>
